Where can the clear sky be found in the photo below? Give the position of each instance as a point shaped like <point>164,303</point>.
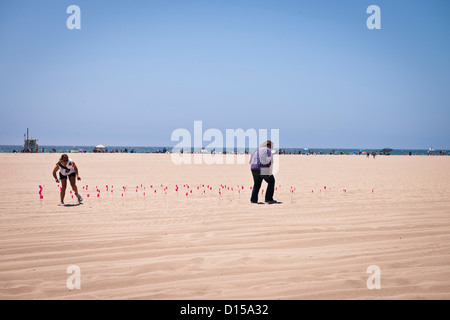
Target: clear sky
<point>138,70</point>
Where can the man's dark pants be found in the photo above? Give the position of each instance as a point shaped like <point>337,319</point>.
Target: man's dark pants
<point>258,179</point>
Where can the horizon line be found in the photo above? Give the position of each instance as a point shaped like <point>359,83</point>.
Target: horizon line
<point>280,148</point>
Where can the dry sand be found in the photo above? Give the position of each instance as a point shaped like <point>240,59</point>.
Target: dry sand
<point>316,245</point>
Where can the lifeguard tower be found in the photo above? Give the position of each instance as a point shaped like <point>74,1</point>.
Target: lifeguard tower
<point>30,145</point>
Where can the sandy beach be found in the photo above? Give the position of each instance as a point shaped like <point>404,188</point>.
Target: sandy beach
<point>347,213</point>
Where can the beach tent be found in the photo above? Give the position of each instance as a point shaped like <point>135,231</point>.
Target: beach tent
<point>386,151</point>
<point>99,148</point>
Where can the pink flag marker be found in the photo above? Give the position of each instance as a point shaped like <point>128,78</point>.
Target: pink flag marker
<point>88,195</point>
<point>41,197</point>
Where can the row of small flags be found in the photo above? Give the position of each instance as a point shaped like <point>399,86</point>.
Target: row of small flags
<point>187,189</point>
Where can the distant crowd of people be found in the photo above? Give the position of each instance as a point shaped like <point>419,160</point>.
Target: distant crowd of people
<point>164,150</point>
<point>441,153</point>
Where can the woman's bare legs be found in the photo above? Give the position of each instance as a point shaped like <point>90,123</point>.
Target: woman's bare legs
<point>63,189</point>
<point>73,183</point>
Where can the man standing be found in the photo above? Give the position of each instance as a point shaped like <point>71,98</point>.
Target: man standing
<point>261,163</point>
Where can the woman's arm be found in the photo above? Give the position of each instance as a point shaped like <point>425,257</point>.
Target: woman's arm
<point>76,171</point>
<point>54,173</point>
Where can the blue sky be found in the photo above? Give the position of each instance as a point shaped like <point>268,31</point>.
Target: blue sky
<point>138,70</point>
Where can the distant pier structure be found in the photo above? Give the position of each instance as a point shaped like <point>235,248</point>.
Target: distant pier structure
<point>30,145</point>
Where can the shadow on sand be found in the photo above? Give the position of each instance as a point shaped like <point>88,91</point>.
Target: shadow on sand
<point>73,205</point>
<point>269,203</point>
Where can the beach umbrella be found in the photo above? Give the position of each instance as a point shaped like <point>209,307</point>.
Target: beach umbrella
<point>99,148</point>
